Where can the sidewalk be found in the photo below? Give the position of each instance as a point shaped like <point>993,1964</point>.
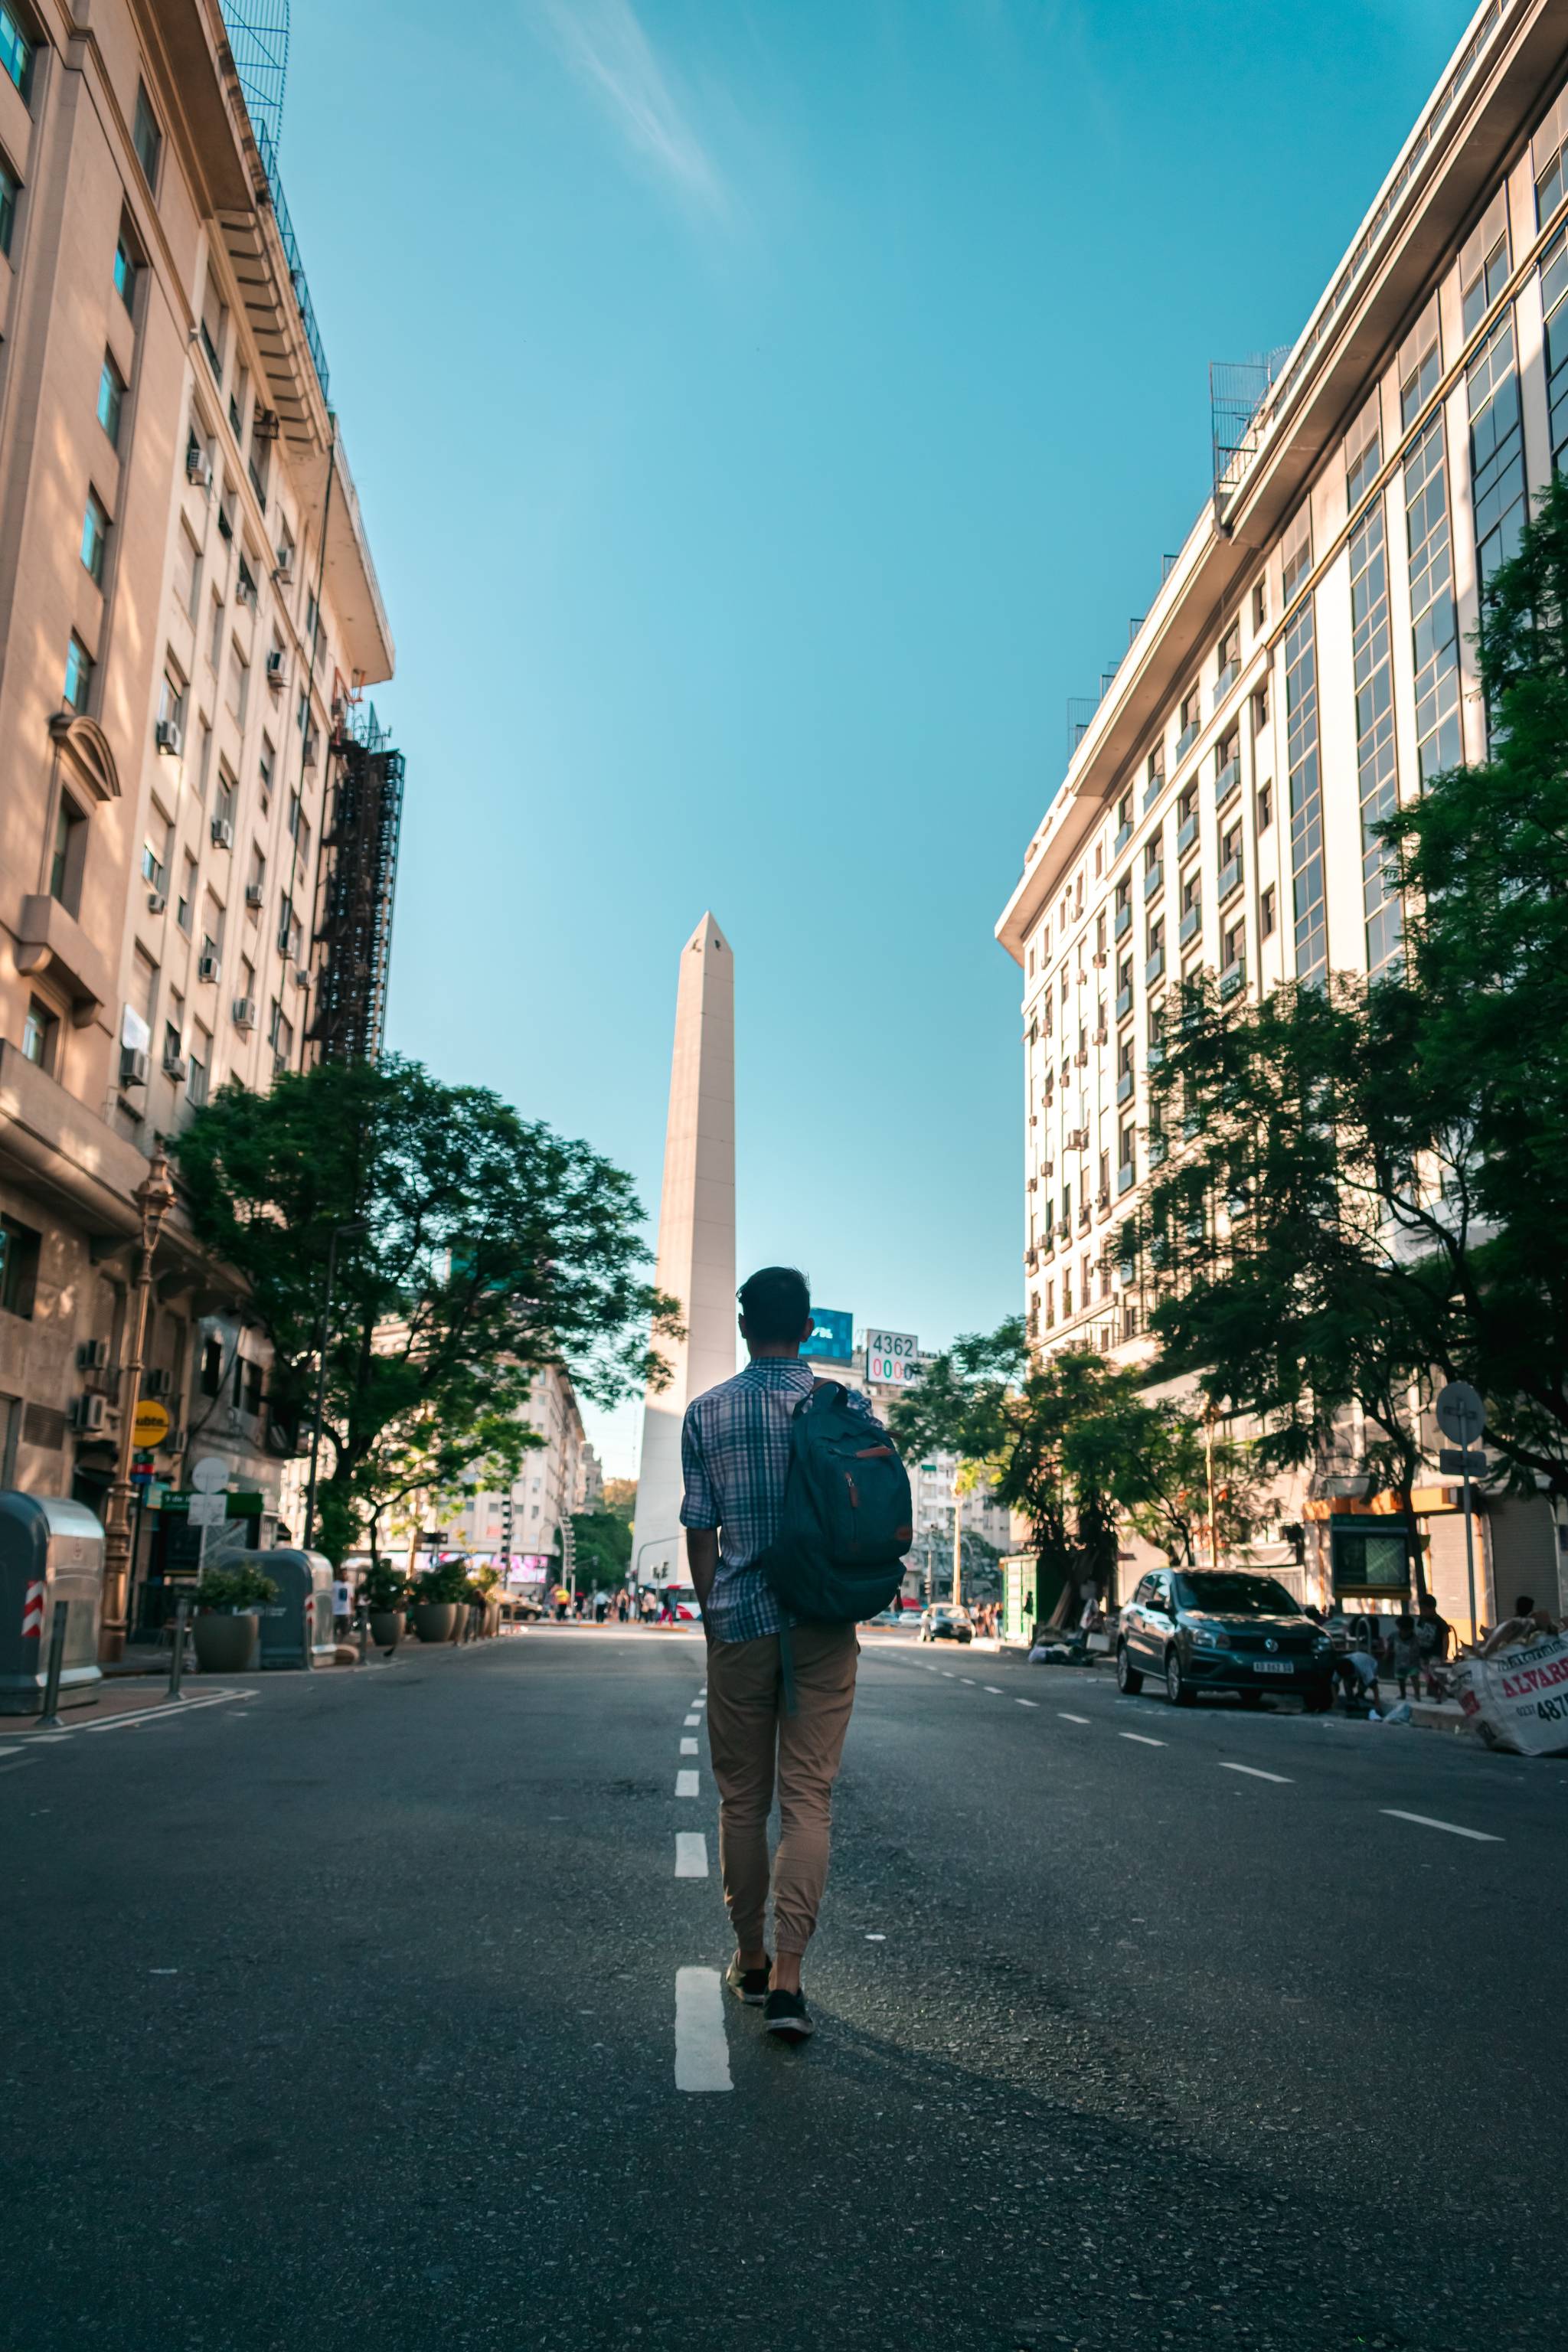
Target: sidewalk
<point>113,1701</point>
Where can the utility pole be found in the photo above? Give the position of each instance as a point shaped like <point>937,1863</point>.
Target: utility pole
<point>957,1539</point>
<point>353,1225</point>
<point>154,1197</point>
<point>1209,1452</point>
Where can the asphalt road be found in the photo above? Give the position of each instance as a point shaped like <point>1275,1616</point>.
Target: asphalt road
<point>343,2014</point>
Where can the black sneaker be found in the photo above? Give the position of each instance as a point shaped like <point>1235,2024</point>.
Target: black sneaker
<point>750,1985</point>
<point>786,2013</point>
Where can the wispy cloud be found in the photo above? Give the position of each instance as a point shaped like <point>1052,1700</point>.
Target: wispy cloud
<point>603,43</point>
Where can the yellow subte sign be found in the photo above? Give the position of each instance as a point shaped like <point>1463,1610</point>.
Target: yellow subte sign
<point>150,1425</point>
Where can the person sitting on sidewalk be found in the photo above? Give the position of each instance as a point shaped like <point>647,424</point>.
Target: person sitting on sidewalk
<point>735,1456</point>
<point>1528,1623</point>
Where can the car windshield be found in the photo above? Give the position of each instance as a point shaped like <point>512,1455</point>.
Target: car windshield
<point>946,1608</point>
<point>1226,1593</point>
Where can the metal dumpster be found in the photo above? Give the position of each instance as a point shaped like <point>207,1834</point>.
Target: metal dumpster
<point>50,1550</point>
<point>297,1627</point>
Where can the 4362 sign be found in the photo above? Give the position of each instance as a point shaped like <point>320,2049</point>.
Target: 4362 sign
<point>890,1358</point>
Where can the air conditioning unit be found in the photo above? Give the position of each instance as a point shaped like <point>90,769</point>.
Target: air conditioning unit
<point>1102,1036</point>
<point>209,968</point>
<point>1063,1230</point>
<point>1102,1198</point>
<point>1080,1059</point>
<point>91,1414</point>
<point>167,736</point>
<point>244,1011</point>
<point>198,466</point>
<point>1078,1140</point>
<point>283,569</point>
<point>288,945</point>
<point>253,894</point>
<point>275,668</point>
<point>175,1067</point>
<point>156,902</point>
<point>1100,958</point>
<point>222,832</point>
<point>156,1382</point>
<point>244,591</point>
<point>92,1355</point>
<point>133,1067</point>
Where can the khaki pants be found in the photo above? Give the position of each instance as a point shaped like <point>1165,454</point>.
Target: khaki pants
<point>753,1742</point>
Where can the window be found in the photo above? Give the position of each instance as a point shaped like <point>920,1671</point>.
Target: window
<point>264,768</point>
<point>16,51</point>
<point>1298,552</point>
<point>68,855</point>
<point>302,711</point>
<point>126,267</point>
<point>1547,161</point>
<point>228,792</point>
<point>1260,709</point>
<point>171,1044</point>
<point>94,537</point>
<point>237,402</point>
<point>188,572</point>
<point>200,1064</point>
<point>1259,607</point>
<point>214,317</point>
<point>1435,626</point>
<point>312,617</point>
<point>184,906</point>
<point>172,700</point>
<point>41,1034</point>
<point>1233,950</point>
<point>214,648</point>
<point>1497,449</point>
<point>1188,736</point>
<point>1306,797</point>
<point>258,882</point>
<point>1372,643</point>
<point>1483,263</point>
<point>295,816</point>
<point>146,137</point>
<point>1363,453</point>
<point>238,683</point>
<point>211,1367</point>
<point>111,399</point>
<point>79,675</point>
<point>1420,366</point>
<point>1265,807</point>
<point>1267,915</point>
<point>10,189</point>
<point>1154,776</point>
<point>19,1252</point>
<point>1228,656</point>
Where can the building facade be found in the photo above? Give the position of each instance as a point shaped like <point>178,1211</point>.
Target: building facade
<point>555,1481</point>
<point>189,614</point>
<point>1307,660</point>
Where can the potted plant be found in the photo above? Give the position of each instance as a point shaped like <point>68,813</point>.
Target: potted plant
<point>385,1592</point>
<point>438,1594</point>
<point>227,1632</point>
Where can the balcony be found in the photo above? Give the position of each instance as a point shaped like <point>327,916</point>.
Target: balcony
<point>1123,835</point>
<point>1192,917</point>
<point>1153,790</point>
<point>1123,922</point>
<point>1124,1086</point>
<point>1154,879</point>
<point>1155,968</point>
<point>1224,683</point>
<point>1233,980</point>
<point>1186,739</point>
<point>1230,879</point>
<point>1188,833</point>
<point>51,940</point>
<point>1124,1002</point>
<point>1227,780</point>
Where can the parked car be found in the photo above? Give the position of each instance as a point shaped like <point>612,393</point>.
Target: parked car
<point>893,1616</point>
<point>944,1623</point>
<point>1222,1629</point>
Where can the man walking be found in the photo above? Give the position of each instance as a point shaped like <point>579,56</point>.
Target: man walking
<point>735,1454</point>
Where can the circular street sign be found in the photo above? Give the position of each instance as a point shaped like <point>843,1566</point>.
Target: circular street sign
<point>210,1475</point>
<point>151,1424</point>
<point>1461,1412</point>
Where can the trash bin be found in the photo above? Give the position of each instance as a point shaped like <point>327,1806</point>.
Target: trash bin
<point>297,1627</point>
<point>50,1551</point>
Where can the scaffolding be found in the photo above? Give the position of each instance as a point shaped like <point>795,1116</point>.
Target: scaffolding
<point>258,37</point>
<point>355,892</point>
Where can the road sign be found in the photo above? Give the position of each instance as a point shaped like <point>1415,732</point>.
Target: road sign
<point>1461,1412</point>
<point>210,1475</point>
<point>150,1425</point>
<point>890,1356</point>
<point>1455,1462</point>
<point>207,1510</point>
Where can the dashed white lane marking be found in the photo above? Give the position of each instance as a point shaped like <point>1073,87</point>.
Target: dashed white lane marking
<point>689,1748</point>
<point>15,1763</point>
<point>1256,1773</point>
<point>49,1738</point>
<point>1141,1737</point>
<point>686,1784</point>
<point>967,1678</point>
<point>690,1855</point>
<point>1072,1718</point>
<point>691,1721</point>
<point>1026,1702</point>
<point>701,2053</point>
<point>1425,1821</point>
<point>947,1674</point>
<point>994,1689</point>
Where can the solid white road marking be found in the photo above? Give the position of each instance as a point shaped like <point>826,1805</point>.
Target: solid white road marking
<point>1026,1702</point>
<point>1425,1821</point>
<point>701,2053</point>
<point>15,1763</point>
<point>690,1855</point>
<point>1069,1719</point>
<point>1254,1772</point>
<point>1141,1737</point>
<point>162,1714</point>
<point>686,1784</point>
<point>689,1748</point>
<point>994,1690</point>
<point>49,1738</point>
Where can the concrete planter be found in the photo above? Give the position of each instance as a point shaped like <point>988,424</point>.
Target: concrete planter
<point>386,1627</point>
<point>225,1644</point>
<point>435,1620</point>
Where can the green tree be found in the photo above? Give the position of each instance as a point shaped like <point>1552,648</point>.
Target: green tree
<point>475,1248</point>
<point>621,1497</point>
<point>603,1549</point>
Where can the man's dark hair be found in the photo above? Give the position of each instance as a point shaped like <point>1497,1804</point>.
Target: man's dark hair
<point>776,1304</point>
<point>1524,1606</point>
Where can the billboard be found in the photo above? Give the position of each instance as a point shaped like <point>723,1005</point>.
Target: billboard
<point>890,1358</point>
<point>832,1335</point>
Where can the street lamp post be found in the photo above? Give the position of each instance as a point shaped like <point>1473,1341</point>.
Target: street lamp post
<point>352,1225</point>
<point>154,1197</point>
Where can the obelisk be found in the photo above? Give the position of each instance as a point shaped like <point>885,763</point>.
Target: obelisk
<point>696,1240</point>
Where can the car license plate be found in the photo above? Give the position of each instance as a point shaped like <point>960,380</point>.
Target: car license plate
<point>1273,1666</point>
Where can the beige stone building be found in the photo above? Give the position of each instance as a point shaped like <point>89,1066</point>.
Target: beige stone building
<point>1308,657</point>
<point>556,1479</point>
<point>188,616</point>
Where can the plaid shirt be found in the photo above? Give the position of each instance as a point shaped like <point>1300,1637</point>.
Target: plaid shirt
<point>734,1453</point>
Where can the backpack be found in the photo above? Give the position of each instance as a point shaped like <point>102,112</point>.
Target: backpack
<point>848,1516</point>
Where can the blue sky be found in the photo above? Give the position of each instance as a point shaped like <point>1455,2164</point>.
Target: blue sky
<point>765,417</point>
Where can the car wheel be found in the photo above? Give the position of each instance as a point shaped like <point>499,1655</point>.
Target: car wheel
<point>1320,1698</point>
<point>1178,1689</point>
<point>1128,1677</point>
